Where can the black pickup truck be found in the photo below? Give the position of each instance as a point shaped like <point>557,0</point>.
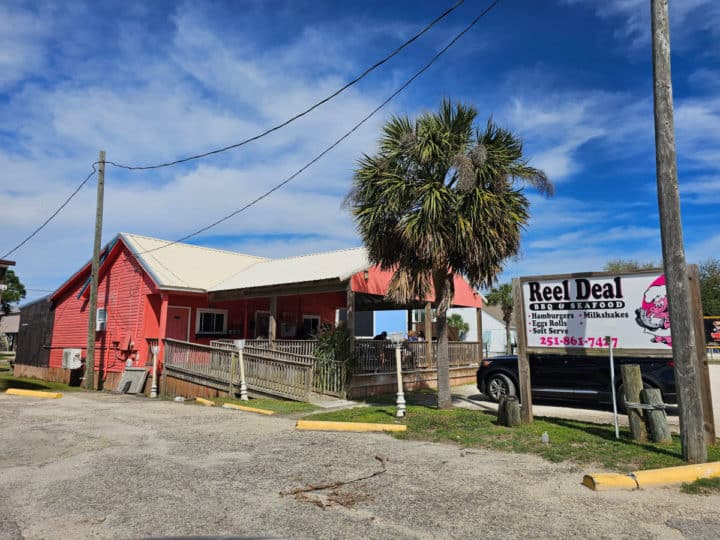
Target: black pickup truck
<point>573,378</point>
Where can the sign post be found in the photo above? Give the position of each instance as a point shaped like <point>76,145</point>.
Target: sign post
<point>526,414</point>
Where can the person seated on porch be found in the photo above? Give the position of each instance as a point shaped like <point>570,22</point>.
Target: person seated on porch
<point>412,335</point>
<point>421,336</point>
<point>382,336</point>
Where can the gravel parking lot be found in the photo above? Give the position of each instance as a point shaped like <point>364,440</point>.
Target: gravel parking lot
<point>108,466</point>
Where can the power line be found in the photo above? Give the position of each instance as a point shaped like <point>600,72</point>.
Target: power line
<point>55,213</point>
<point>255,137</point>
<point>338,141</point>
<point>300,114</point>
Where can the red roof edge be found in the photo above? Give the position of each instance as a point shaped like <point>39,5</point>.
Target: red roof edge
<point>378,281</point>
<point>85,269</point>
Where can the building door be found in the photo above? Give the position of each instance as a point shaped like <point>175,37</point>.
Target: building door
<point>178,323</point>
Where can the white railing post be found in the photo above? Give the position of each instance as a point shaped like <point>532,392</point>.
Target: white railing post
<point>240,345</point>
<point>396,339</point>
<point>154,387</point>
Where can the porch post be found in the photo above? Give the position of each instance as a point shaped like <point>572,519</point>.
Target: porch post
<point>245,322</point>
<point>428,334</point>
<point>272,326</point>
<point>164,298</point>
<point>478,314</point>
<point>350,319</point>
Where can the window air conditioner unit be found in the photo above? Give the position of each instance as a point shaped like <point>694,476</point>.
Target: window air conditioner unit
<point>72,358</point>
<point>101,320</point>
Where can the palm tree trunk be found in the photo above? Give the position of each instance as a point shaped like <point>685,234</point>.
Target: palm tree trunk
<point>444,293</point>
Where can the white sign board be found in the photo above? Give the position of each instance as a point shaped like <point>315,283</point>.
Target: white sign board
<point>578,312</point>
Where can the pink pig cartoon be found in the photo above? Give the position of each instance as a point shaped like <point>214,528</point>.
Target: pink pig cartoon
<point>654,315</point>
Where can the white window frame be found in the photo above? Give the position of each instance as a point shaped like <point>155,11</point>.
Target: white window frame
<point>200,311</point>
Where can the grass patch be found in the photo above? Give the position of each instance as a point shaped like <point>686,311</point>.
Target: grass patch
<point>702,486</point>
<point>8,381</point>
<point>280,406</point>
<point>570,440</point>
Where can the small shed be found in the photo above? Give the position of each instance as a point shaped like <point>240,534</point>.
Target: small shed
<point>34,336</point>
<point>9,325</point>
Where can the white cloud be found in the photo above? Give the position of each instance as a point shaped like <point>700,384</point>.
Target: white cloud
<point>22,36</point>
<point>559,123</point>
<point>687,18</point>
<point>201,94</point>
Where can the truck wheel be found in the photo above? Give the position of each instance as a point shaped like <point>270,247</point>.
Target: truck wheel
<point>498,385</point>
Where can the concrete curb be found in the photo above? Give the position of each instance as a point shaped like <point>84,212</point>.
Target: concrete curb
<point>206,402</point>
<point>652,478</point>
<point>248,409</point>
<point>347,426</point>
<point>33,393</point>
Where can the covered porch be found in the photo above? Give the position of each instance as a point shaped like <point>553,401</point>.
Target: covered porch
<point>280,307</point>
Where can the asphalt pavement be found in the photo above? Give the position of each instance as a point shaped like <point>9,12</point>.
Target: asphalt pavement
<point>115,466</point>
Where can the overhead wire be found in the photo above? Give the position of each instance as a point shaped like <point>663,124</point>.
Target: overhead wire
<point>302,113</point>
<point>338,141</point>
<point>268,131</point>
<point>55,213</point>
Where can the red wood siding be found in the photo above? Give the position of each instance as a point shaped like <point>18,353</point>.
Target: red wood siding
<point>122,290</point>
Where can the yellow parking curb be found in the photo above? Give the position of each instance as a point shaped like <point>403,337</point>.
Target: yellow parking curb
<point>347,426</point>
<point>652,478</point>
<point>677,475</point>
<point>248,409</point>
<point>33,393</point>
<point>603,481</point>
<point>206,402</point>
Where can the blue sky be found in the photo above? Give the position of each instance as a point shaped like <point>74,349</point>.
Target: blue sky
<point>154,81</point>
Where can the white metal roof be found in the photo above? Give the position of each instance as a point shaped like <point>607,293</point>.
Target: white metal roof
<point>184,266</point>
<point>339,265</point>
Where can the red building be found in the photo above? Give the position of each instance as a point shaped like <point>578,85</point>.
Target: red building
<point>150,289</point>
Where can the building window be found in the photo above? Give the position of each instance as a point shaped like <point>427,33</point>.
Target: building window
<point>211,321</point>
<point>311,325</point>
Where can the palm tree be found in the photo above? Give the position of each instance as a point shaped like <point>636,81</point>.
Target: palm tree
<point>440,197</point>
<point>456,321</point>
<point>503,296</point>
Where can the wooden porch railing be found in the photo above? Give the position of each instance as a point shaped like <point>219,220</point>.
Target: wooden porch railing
<point>330,378</point>
<point>278,372</point>
<point>198,363</point>
<point>303,347</point>
<point>379,356</point>
<point>271,371</point>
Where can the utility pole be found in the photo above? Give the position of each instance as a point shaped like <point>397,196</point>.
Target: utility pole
<point>92,308</point>
<point>684,346</point>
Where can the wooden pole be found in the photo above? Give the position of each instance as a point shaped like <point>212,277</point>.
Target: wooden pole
<point>428,335</point>
<point>478,317</point>
<point>231,384</point>
<point>632,386</point>
<point>702,363</point>
<point>162,330</point>
<point>92,307</point>
<point>657,419</point>
<point>272,323</point>
<point>684,347</point>
<point>523,361</point>
<point>350,311</point>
